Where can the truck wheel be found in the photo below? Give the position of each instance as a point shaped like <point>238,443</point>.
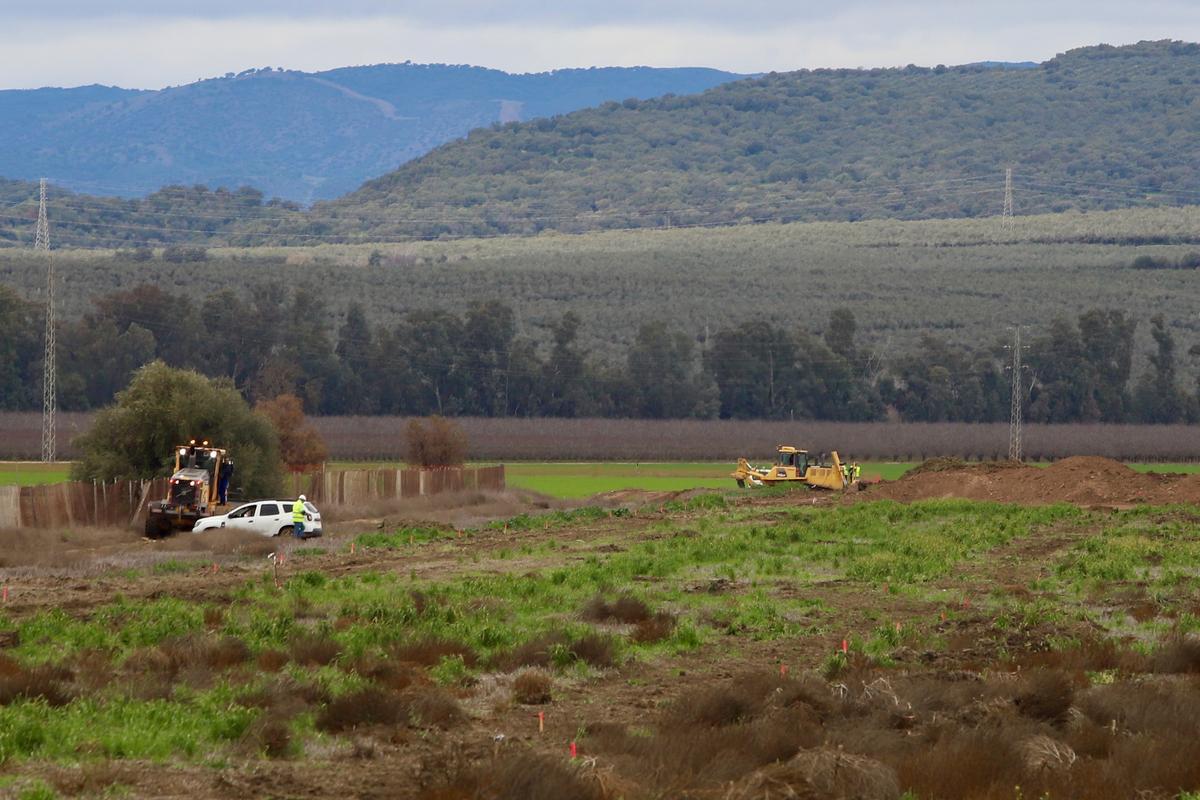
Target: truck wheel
<point>287,530</point>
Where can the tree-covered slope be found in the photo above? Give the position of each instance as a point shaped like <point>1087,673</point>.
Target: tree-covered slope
<point>1095,127</point>
<point>296,135</point>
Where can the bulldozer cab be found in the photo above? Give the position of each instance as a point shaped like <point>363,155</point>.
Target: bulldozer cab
<point>791,457</point>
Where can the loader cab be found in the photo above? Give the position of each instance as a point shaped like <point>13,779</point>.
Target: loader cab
<point>188,488</point>
<point>791,457</point>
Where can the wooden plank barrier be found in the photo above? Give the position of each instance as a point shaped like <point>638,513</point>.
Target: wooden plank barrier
<point>121,503</point>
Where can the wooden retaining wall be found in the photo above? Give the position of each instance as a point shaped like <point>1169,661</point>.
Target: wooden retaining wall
<point>354,487</point>
<point>77,503</point>
<point>120,503</point>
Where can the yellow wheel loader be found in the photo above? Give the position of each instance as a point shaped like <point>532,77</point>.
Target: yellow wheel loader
<point>793,466</point>
<point>192,492</point>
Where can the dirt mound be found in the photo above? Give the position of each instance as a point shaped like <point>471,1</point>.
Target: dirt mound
<point>1079,480</point>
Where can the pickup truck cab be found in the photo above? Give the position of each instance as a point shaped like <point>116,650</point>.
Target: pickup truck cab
<point>264,517</point>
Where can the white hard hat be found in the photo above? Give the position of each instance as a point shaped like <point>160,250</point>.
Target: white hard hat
<point>302,497</point>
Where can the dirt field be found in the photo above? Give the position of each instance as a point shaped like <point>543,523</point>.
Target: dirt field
<point>769,645</point>
<point>1080,480</point>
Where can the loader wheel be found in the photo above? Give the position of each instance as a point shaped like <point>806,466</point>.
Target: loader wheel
<point>156,528</point>
<point>741,483</point>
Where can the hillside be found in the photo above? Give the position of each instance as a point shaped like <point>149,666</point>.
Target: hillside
<point>1098,127</point>
<point>296,135</point>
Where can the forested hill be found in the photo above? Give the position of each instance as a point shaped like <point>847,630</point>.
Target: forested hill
<point>296,135</point>
<point>1095,127</point>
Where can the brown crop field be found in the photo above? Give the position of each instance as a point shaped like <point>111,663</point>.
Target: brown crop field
<point>553,439</point>
<point>898,642</point>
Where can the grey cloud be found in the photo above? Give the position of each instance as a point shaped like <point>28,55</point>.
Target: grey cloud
<point>625,12</point>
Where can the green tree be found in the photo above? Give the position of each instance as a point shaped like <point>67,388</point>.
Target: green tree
<point>564,372</point>
<point>839,335</point>
<point>21,351</point>
<point>661,373</point>
<point>355,351</point>
<point>1159,397</point>
<point>488,333</point>
<point>753,366</point>
<point>163,406</point>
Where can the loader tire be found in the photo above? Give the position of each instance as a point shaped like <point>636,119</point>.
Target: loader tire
<point>156,529</point>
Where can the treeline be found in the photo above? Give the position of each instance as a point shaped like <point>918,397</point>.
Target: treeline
<point>172,215</point>
<point>268,341</point>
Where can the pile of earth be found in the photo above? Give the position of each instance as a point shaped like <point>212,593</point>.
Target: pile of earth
<point>1080,480</point>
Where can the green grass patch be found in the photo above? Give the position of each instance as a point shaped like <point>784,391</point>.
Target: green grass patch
<point>121,728</point>
<point>33,473</point>
<point>402,537</point>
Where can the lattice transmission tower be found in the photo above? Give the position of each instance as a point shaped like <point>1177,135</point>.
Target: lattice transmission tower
<point>41,244</point>
<point>1018,397</point>
<point>1008,221</point>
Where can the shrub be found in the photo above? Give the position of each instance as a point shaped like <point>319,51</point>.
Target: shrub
<point>529,776</point>
<point>1179,655</point>
<point>269,735</point>
<point>364,707</point>
<point>315,650</point>
<point>1046,695</point>
<point>436,442</point>
<point>430,652</point>
<point>427,707</point>
<point>626,609</point>
<point>654,629</point>
<point>272,660</point>
<point>532,687</point>
<point>595,649</point>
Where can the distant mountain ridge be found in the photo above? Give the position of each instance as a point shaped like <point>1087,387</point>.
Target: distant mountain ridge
<point>296,135</point>
<point>1096,127</point>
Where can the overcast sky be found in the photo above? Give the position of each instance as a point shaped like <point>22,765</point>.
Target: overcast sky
<point>154,43</point>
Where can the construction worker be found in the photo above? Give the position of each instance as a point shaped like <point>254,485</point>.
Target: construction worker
<point>298,515</point>
<point>226,474</point>
<point>855,472</point>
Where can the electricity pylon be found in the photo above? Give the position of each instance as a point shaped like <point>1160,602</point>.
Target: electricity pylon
<point>41,244</point>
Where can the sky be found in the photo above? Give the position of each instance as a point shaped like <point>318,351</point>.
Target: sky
<point>155,43</point>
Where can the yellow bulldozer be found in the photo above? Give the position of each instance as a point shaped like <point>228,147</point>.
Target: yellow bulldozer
<point>793,466</point>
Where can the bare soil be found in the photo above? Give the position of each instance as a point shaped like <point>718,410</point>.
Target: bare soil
<point>1086,481</point>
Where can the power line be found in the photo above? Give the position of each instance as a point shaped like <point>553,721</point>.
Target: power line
<point>49,362</point>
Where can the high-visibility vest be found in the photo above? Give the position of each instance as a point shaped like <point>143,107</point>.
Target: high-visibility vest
<point>298,511</point>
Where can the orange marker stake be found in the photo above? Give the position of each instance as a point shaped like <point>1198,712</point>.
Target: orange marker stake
<point>541,722</point>
<point>6,594</point>
<point>574,751</point>
<point>783,670</point>
<point>845,647</point>
<point>352,548</point>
